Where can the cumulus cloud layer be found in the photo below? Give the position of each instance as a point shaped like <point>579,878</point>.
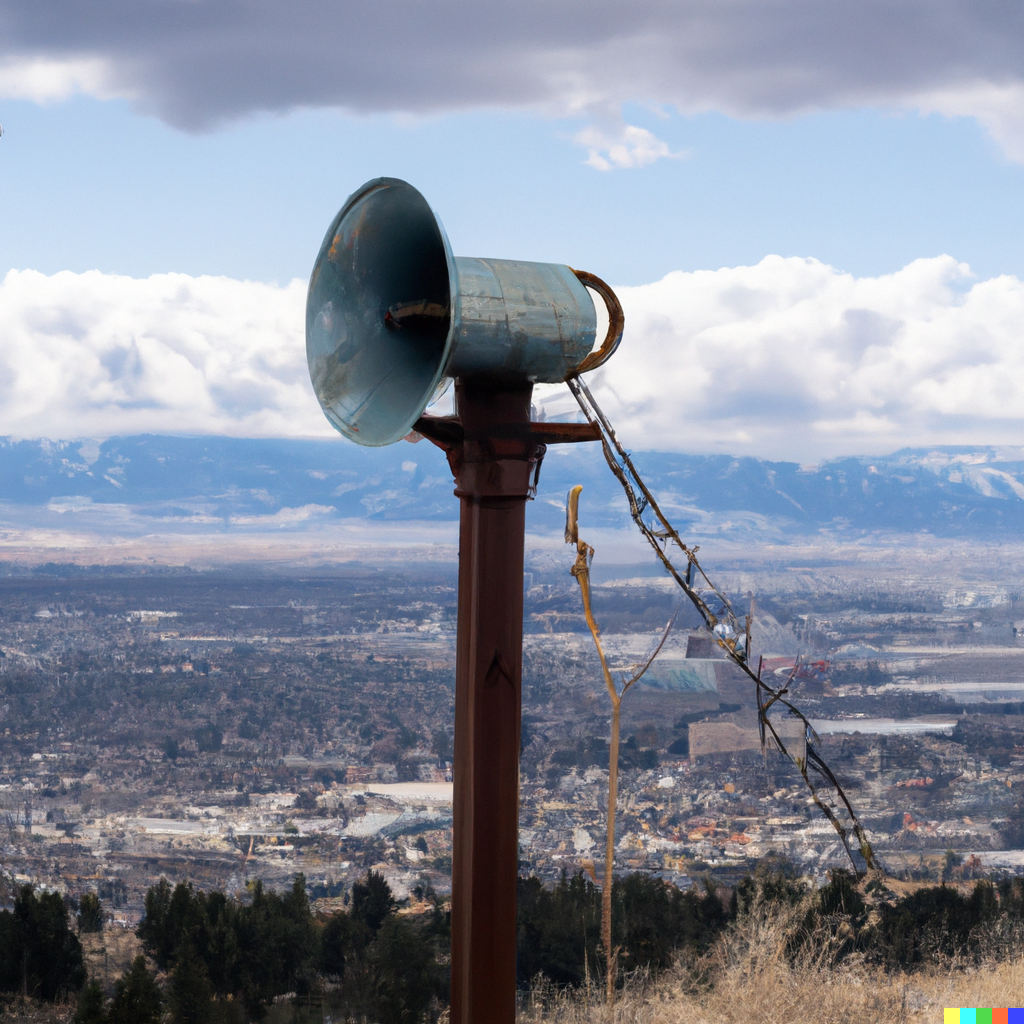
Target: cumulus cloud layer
<point>791,359</point>
<point>199,62</point>
<point>785,359</point>
<point>97,354</point>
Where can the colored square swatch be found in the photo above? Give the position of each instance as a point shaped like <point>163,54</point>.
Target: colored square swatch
<point>983,1015</point>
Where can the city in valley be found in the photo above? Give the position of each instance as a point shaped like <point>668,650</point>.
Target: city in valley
<point>244,722</point>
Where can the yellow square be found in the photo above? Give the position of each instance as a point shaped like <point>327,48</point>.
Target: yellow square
<point>951,1016</point>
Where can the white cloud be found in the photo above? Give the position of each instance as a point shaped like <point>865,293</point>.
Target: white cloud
<point>786,359</point>
<point>998,106</point>
<point>627,146</point>
<point>42,79</point>
<point>793,359</point>
<point>285,517</point>
<point>97,354</point>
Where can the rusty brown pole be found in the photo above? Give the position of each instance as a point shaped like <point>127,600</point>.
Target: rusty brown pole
<point>494,467</point>
<point>494,453</point>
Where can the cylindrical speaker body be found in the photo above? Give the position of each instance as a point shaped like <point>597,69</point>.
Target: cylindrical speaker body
<point>519,321</point>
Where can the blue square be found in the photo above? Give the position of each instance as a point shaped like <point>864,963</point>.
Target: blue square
<point>1015,1015</point>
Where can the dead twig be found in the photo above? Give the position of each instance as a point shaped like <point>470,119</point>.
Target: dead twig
<point>581,571</point>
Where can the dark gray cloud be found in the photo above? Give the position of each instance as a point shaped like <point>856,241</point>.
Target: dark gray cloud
<point>196,63</point>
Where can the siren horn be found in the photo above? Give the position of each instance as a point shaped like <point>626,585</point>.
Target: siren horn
<point>391,315</point>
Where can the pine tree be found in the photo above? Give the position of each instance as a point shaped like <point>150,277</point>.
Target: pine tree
<point>90,1005</point>
<point>191,992</point>
<point>136,996</point>
<point>90,913</point>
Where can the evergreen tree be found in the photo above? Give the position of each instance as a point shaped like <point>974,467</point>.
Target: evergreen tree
<point>152,929</point>
<point>191,995</point>
<point>136,996</point>
<point>335,945</point>
<point>372,900</point>
<point>90,913</point>
<point>406,973</point>
<point>39,954</point>
<point>558,930</point>
<point>90,1005</point>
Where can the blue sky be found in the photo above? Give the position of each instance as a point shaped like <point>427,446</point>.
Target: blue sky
<point>90,184</point>
<point>814,213</point>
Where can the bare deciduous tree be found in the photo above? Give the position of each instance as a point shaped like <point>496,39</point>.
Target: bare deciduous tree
<point>616,691</point>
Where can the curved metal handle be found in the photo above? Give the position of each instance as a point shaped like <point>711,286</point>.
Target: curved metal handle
<point>616,323</point>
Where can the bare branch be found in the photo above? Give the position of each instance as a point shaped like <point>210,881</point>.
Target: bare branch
<point>581,570</point>
<point>657,650</point>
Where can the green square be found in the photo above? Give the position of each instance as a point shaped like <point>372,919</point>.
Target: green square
<point>983,1016</point>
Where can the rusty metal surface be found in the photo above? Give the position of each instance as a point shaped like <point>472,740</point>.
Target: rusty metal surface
<point>564,433</point>
<point>616,323</point>
<point>496,462</point>
<point>446,431</point>
<point>495,454</point>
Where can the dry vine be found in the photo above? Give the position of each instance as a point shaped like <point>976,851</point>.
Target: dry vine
<point>581,570</point>
<point>660,536</point>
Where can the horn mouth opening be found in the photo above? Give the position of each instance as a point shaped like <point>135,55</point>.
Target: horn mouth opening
<point>379,312</point>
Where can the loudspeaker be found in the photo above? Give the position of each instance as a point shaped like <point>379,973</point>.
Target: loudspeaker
<point>391,314</point>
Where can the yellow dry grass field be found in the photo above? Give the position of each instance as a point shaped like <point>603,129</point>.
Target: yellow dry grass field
<point>748,978</point>
<point>769,996</point>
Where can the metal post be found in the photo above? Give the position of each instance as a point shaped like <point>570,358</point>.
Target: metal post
<point>495,453</point>
<point>494,466</point>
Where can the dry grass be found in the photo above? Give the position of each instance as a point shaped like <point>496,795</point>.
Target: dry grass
<point>795,994</point>
<point>108,954</point>
<point>747,979</point>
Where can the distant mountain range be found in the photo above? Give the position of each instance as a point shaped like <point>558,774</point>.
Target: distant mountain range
<point>182,484</point>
